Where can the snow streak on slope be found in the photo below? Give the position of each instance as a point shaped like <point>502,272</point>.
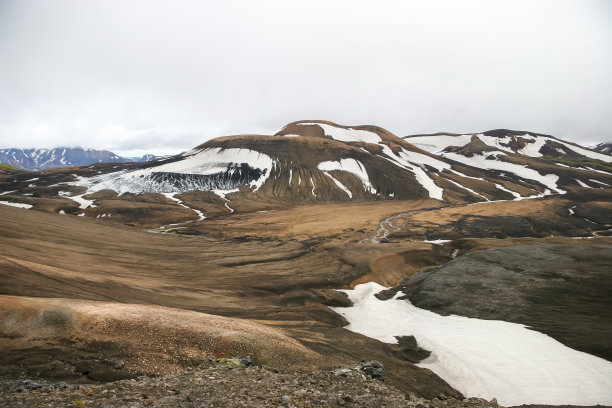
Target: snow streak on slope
<point>485,358</point>
<point>516,195</point>
<point>468,189</point>
<point>347,135</point>
<point>438,143</point>
<point>351,166</point>
<point>340,185</point>
<point>413,162</point>
<point>18,205</point>
<point>481,161</point>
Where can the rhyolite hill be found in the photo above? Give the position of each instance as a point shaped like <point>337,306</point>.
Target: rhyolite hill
<point>317,161</point>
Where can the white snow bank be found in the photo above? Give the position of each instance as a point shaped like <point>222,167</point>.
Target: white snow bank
<point>18,205</point>
<point>485,358</point>
<point>347,135</point>
<point>351,166</point>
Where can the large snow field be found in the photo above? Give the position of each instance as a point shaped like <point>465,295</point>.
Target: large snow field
<point>485,358</point>
<point>203,162</point>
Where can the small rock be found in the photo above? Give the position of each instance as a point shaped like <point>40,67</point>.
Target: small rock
<point>246,361</point>
<point>344,372</point>
<point>230,362</point>
<point>285,400</point>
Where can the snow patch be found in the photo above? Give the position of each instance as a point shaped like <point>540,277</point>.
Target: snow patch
<point>18,205</point>
<point>351,166</point>
<point>599,182</point>
<point>468,189</point>
<point>438,241</point>
<point>581,184</point>
<point>413,161</point>
<point>485,358</point>
<point>339,184</point>
<point>83,202</point>
<point>516,195</point>
<point>347,135</point>
<point>481,161</point>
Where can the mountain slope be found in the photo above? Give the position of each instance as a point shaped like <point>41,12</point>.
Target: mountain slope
<point>546,159</point>
<point>42,159</point>
<point>315,161</point>
<point>604,148</point>
<point>318,160</point>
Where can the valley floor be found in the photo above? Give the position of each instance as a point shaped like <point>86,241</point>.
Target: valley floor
<point>88,300</point>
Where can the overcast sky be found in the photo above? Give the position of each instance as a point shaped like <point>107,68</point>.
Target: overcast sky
<point>165,76</point>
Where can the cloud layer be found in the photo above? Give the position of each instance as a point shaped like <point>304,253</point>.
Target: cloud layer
<point>167,75</point>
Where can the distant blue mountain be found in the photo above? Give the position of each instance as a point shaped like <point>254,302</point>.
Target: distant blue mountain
<point>41,159</point>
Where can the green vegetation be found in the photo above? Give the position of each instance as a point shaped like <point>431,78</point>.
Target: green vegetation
<point>7,168</point>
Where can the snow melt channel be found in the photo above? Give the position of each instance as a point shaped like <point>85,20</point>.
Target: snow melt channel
<point>485,358</point>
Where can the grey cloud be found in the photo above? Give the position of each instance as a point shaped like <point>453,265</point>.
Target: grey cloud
<point>170,75</point>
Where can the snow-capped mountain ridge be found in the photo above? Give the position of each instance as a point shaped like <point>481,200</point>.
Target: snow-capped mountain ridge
<point>320,160</point>
<point>42,159</point>
<point>508,141</point>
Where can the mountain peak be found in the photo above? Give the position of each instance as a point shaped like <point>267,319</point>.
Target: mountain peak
<point>331,130</point>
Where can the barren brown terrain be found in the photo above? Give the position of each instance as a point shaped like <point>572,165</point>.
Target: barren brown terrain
<point>138,284</point>
<point>283,285</point>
